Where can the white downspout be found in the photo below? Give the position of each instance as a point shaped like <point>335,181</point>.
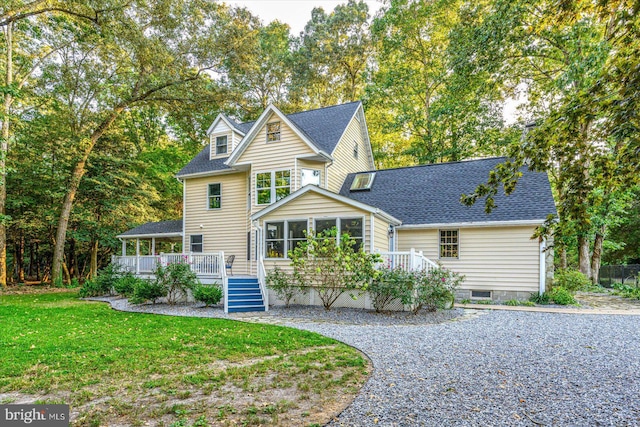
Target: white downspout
<point>543,269</point>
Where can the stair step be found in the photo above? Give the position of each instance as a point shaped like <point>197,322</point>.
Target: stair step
<point>244,309</point>
<point>243,297</point>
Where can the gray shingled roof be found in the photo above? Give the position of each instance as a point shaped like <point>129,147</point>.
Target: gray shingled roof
<point>430,194</point>
<point>201,163</point>
<point>323,127</point>
<point>162,227</point>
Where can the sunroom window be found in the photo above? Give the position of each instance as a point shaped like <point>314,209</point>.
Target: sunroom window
<point>276,245</point>
<point>351,226</point>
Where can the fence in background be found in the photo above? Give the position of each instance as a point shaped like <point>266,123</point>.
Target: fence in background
<point>625,274</point>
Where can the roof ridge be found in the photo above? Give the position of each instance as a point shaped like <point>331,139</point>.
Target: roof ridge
<point>433,164</point>
<point>308,111</point>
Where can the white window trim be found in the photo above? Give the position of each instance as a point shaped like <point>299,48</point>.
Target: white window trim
<point>191,244</point>
<point>209,196</point>
<point>216,145</point>
<point>338,220</point>
<point>273,185</point>
<point>266,128</point>
<point>285,236</point>
<point>439,236</point>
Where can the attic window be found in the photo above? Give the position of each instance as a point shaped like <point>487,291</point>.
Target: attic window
<point>221,145</point>
<point>362,181</point>
<point>355,150</point>
<point>273,131</point>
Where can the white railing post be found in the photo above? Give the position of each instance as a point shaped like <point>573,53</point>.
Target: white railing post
<point>222,266</point>
<point>412,259</point>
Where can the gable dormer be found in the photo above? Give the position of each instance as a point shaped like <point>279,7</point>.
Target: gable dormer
<point>224,137</point>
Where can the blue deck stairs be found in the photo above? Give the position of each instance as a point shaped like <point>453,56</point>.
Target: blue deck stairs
<point>244,295</point>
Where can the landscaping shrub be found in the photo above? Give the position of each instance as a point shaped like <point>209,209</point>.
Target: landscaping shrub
<point>125,284</point>
<point>103,283</point>
<point>540,298</point>
<point>207,294</point>
<point>571,280</point>
<point>626,291</point>
<point>330,268</point>
<point>562,296</point>
<point>391,284</point>
<point>435,289</point>
<point>176,279</point>
<point>147,290</point>
<point>283,284</point>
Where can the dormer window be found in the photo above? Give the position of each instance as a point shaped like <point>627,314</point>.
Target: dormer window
<point>355,150</point>
<point>363,181</point>
<point>273,131</point>
<point>221,145</point>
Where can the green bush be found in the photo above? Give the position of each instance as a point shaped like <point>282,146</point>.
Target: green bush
<point>540,298</point>
<point>391,284</point>
<point>125,284</point>
<point>147,290</point>
<point>626,291</point>
<point>562,296</point>
<point>435,289</point>
<point>571,280</point>
<point>207,294</point>
<point>283,284</point>
<point>103,283</point>
<point>176,279</point>
<point>512,302</point>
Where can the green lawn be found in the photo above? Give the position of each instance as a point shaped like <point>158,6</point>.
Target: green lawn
<point>136,368</point>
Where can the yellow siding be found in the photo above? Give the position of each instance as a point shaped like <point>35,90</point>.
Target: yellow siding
<point>381,235</point>
<point>223,229</point>
<point>492,259</point>
<point>344,162</point>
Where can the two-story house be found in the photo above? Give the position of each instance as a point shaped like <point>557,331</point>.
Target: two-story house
<point>257,187</point>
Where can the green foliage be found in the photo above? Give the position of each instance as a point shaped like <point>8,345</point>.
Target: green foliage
<point>512,302</point>
<point>435,289</point>
<point>626,291</point>
<point>208,294</point>
<point>331,267</point>
<point>562,296</point>
<point>176,279</point>
<point>391,284</point>
<point>570,280</point>
<point>147,290</point>
<point>283,284</point>
<point>540,298</point>
<point>126,283</point>
<point>103,283</point>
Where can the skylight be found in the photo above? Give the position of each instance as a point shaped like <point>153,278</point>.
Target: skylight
<point>363,181</point>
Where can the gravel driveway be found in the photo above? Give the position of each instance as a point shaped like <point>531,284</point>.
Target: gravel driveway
<point>499,368</point>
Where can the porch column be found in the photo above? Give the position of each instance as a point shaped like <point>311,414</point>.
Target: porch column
<point>153,246</point>
<point>137,255</point>
<point>124,247</point>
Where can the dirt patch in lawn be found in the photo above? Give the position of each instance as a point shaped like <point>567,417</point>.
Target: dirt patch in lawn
<point>307,387</point>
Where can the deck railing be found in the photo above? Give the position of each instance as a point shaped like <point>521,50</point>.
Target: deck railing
<point>409,260</point>
<point>203,264</point>
<point>262,281</point>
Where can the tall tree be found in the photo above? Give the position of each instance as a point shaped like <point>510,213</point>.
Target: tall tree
<point>424,106</point>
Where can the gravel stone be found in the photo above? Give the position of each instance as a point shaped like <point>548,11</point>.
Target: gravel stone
<point>489,368</point>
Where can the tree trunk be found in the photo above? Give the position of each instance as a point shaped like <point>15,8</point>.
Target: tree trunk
<point>583,256</point>
<point>72,257</point>
<point>93,270</point>
<point>20,258</point>
<point>596,257</point>
<point>76,177</point>
<point>4,149</point>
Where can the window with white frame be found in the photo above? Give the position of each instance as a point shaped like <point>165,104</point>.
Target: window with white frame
<point>355,150</point>
<point>283,236</point>
<point>215,196</point>
<point>354,227</point>
<point>449,244</point>
<point>221,145</point>
<point>309,176</point>
<point>272,186</point>
<point>273,131</point>
<point>195,243</point>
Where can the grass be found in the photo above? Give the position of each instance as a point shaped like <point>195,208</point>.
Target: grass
<point>130,368</point>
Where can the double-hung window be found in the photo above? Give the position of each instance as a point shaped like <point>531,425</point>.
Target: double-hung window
<point>273,131</point>
<point>283,236</point>
<point>449,244</point>
<point>221,145</point>
<point>272,186</point>
<point>215,196</point>
<point>195,243</point>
